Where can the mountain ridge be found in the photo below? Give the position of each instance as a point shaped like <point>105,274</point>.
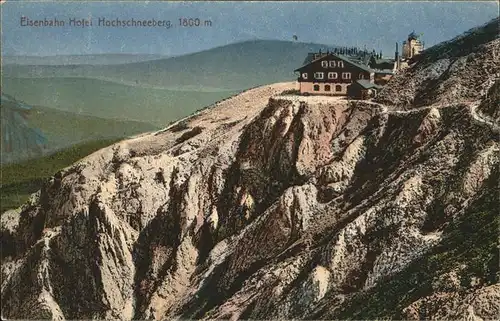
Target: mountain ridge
<point>56,129</point>
<point>165,56</point>
<point>242,65</point>
<point>82,59</point>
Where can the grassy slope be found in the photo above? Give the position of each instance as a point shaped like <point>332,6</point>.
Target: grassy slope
<point>233,67</point>
<point>64,128</point>
<point>110,100</point>
<point>19,181</point>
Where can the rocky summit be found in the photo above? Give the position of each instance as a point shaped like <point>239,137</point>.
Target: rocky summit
<point>271,205</point>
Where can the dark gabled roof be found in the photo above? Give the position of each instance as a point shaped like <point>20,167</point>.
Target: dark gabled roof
<point>365,83</point>
<point>384,60</point>
<point>309,58</point>
<point>381,63</point>
<point>311,55</point>
<point>366,59</point>
<point>344,58</point>
<point>361,66</point>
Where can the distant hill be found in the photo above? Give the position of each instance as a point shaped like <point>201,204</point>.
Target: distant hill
<point>18,181</point>
<point>101,59</point>
<point>104,99</point>
<point>32,131</point>
<point>115,100</point>
<point>19,138</point>
<point>227,68</point>
<point>65,128</point>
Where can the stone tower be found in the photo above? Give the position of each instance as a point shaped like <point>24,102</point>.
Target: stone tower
<point>412,46</point>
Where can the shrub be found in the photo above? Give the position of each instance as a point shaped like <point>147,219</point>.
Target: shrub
<point>190,134</point>
<point>290,92</point>
<point>180,126</point>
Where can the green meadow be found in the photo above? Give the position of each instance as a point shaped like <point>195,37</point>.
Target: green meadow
<point>105,99</point>
<point>64,128</point>
<point>18,181</point>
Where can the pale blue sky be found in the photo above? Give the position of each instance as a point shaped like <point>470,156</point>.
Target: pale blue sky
<point>376,24</point>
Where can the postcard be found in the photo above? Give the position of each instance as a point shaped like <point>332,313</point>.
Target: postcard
<point>324,160</point>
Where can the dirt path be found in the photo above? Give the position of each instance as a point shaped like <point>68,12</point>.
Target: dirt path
<point>482,118</point>
<point>471,105</point>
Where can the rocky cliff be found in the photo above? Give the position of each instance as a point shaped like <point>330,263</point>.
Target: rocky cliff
<point>271,206</point>
<point>462,69</point>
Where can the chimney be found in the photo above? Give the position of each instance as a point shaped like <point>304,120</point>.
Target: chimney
<point>396,57</point>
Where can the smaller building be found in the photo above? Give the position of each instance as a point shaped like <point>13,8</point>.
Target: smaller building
<point>363,89</point>
<point>382,77</point>
<point>377,62</point>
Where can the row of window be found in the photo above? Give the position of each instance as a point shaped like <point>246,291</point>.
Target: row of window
<point>331,75</point>
<point>338,88</point>
<point>332,64</point>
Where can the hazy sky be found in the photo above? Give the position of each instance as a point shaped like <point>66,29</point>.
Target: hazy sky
<point>376,24</point>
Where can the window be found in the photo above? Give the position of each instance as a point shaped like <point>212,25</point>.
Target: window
<point>340,64</point>
<point>319,75</point>
<point>338,88</point>
<point>332,75</point>
<point>346,75</point>
<point>332,64</point>
<point>324,64</point>
<point>316,87</point>
<point>304,75</point>
<point>361,76</point>
<point>327,88</point>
